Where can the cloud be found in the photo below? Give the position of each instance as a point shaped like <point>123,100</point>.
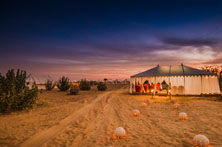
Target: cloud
<point>188,54</point>
<point>189,41</point>
<point>215,61</point>
<point>54,61</point>
<point>110,58</point>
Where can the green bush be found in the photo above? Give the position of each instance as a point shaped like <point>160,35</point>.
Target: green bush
<point>74,90</point>
<point>14,93</point>
<point>49,85</point>
<point>92,83</point>
<point>84,85</point>
<point>101,86</point>
<point>64,84</point>
<point>41,91</point>
<point>220,80</point>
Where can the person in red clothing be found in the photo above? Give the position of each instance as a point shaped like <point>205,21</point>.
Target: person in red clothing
<point>146,85</point>
<point>158,86</point>
<point>152,85</point>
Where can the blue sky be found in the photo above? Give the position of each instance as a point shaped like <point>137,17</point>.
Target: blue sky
<point>113,39</point>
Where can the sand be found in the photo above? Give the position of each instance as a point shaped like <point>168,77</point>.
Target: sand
<point>90,118</point>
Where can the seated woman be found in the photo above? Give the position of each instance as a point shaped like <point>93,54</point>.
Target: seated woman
<point>146,86</point>
<point>158,86</point>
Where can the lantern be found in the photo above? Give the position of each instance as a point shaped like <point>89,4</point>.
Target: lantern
<point>136,112</point>
<point>201,140</point>
<point>143,104</point>
<point>183,116</point>
<point>120,132</point>
<point>152,91</point>
<point>176,105</point>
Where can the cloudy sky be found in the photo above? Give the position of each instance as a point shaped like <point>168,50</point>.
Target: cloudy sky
<point>112,39</point>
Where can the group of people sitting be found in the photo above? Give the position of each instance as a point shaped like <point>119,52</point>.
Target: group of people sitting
<point>149,87</point>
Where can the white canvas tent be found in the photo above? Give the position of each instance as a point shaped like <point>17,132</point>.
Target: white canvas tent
<point>39,80</point>
<point>182,79</point>
<point>30,80</point>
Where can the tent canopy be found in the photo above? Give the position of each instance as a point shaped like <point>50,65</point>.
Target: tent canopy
<point>178,70</point>
<point>38,79</point>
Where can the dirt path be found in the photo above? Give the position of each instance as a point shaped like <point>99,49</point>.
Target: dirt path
<point>44,136</point>
<point>93,123</point>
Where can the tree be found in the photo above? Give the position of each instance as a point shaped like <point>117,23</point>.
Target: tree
<point>105,79</point>
<point>64,84</point>
<point>217,70</point>
<point>84,85</point>
<point>101,86</point>
<point>74,90</point>
<point>14,93</point>
<point>49,85</point>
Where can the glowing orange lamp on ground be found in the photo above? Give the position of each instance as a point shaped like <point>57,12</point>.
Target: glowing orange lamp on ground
<point>169,93</point>
<point>176,105</point>
<point>136,113</point>
<point>152,91</point>
<point>119,133</point>
<point>144,105</point>
<point>183,116</point>
<point>201,141</point>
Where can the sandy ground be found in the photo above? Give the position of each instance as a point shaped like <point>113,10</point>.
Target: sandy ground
<point>90,118</point>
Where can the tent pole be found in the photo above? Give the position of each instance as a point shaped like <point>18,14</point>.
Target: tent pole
<point>184,78</point>
<point>155,86</point>
<point>169,88</point>
<point>134,87</point>
<point>201,84</point>
<point>130,85</point>
<point>184,85</point>
<point>142,84</point>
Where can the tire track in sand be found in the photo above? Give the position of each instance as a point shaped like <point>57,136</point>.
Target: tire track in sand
<point>98,130</point>
<point>46,135</point>
<point>91,125</point>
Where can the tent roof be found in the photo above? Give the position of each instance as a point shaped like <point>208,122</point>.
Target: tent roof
<point>38,79</point>
<point>177,70</point>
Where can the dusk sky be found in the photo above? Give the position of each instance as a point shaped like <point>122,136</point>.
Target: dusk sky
<point>108,39</point>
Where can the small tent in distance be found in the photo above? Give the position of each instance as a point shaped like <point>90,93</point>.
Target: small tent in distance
<point>39,80</point>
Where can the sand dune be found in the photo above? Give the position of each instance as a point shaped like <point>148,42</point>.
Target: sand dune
<point>90,118</point>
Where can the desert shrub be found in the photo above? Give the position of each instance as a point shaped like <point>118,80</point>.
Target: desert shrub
<point>49,85</point>
<point>84,85</point>
<point>41,91</point>
<point>14,93</point>
<point>220,80</point>
<point>101,86</point>
<point>64,84</point>
<point>92,83</point>
<point>74,90</point>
